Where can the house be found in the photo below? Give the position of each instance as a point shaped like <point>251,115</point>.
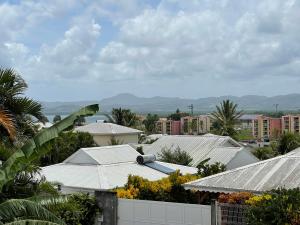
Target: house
<point>246,121</point>
<point>104,133</point>
<point>105,168</point>
<point>217,148</point>
<point>279,172</point>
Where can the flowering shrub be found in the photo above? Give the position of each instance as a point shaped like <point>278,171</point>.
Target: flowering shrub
<point>235,198</point>
<point>166,189</point>
<point>255,200</point>
<point>278,207</point>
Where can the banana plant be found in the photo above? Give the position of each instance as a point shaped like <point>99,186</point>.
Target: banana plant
<point>37,146</point>
<point>14,209</point>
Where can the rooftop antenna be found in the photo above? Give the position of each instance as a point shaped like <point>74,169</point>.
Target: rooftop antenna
<point>191,107</point>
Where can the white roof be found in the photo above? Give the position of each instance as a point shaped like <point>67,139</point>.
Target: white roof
<point>282,171</point>
<point>217,148</point>
<point>107,128</point>
<point>106,168</point>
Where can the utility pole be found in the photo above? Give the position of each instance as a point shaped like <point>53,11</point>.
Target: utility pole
<point>191,107</point>
<point>276,107</point>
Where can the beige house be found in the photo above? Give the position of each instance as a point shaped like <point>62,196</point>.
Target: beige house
<point>104,133</point>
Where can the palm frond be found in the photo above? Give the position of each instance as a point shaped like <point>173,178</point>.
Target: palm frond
<point>7,122</point>
<point>31,222</point>
<point>21,208</point>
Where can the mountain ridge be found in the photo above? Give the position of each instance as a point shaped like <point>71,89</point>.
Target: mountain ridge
<point>170,104</point>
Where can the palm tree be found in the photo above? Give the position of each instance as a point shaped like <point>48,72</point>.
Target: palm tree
<point>124,117</point>
<point>21,108</point>
<point>7,123</point>
<point>225,117</point>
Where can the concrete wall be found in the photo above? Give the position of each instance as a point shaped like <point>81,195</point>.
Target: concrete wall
<point>137,212</point>
<point>105,140</point>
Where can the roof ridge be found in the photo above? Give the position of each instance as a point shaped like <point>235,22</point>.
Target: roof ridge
<point>242,167</point>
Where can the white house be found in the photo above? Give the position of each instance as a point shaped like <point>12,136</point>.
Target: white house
<point>217,148</point>
<point>104,168</point>
<point>279,172</point>
<point>103,133</point>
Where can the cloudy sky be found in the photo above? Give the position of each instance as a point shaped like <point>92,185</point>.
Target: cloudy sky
<point>79,49</point>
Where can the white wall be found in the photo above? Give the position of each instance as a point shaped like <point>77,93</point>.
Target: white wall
<point>139,212</point>
<point>104,140</point>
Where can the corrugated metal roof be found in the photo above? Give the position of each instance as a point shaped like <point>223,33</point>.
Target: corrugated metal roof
<point>282,171</point>
<point>104,155</point>
<point>106,128</point>
<point>217,148</point>
<point>105,168</point>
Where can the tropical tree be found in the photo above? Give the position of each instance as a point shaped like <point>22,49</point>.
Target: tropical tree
<point>124,117</point>
<point>288,142</point>
<point>225,117</point>
<point>26,211</point>
<point>149,123</point>
<point>7,123</point>
<point>22,109</point>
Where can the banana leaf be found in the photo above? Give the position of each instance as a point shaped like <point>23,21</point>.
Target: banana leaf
<point>20,208</point>
<point>35,147</point>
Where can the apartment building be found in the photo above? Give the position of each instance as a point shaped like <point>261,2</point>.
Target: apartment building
<point>290,123</point>
<point>196,124</point>
<point>265,128</point>
<point>170,127</point>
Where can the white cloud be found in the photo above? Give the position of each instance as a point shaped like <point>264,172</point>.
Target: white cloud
<point>206,41</point>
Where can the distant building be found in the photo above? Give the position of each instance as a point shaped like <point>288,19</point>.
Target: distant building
<point>170,127</point>
<point>266,128</point>
<point>290,123</point>
<point>246,121</point>
<point>196,124</point>
<point>104,133</point>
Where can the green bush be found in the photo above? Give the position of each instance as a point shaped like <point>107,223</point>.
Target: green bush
<point>80,209</point>
<point>177,156</point>
<point>282,207</point>
<point>205,169</point>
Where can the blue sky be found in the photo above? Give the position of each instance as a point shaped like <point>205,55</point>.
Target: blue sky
<point>70,50</point>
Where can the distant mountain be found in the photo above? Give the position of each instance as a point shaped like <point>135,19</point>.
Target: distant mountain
<point>165,105</point>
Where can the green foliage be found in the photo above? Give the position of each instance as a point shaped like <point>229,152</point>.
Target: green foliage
<point>140,150</point>
<point>115,141</point>
<point>281,208</point>
<point>21,108</point>
<point>65,145</point>
<point>176,156</point>
<point>263,153</point>
<point>34,148</point>
<point>167,189</point>
<point>79,209</point>
<point>288,142</point>
<point>15,209</point>
<point>56,118</point>
<point>124,117</point>
<point>225,117</point>
<point>244,135</point>
<point>177,115</point>
<point>205,169</point>
<point>149,123</point>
